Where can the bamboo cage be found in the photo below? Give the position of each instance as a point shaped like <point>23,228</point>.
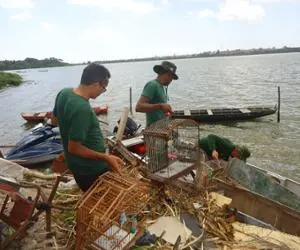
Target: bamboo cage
<point>172,148</point>
<point>99,223</point>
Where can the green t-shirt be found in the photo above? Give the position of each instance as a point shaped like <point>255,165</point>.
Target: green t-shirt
<point>156,94</point>
<point>77,121</point>
<point>213,142</point>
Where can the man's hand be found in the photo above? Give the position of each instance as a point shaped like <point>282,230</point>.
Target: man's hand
<point>166,108</point>
<point>115,163</point>
<point>215,155</point>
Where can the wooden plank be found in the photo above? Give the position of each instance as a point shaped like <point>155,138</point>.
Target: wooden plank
<point>175,170</point>
<point>127,142</point>
<point>122,124</point>
<point>187,112</point>
<point>209,112</point>
<point>245,110</point>
<point>133,141</point>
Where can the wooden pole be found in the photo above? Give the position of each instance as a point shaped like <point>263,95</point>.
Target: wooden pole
<point>122,124</point>
<point>130,97</point>
<point>278,111</point>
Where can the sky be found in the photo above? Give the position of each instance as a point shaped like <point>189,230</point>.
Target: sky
<point>90,30</point>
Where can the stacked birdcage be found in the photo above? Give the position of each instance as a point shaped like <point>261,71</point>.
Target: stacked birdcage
<point>107,214</point>
<point>172,147</point>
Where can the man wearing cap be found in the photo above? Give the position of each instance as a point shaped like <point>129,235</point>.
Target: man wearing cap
<point>82,138</point>
<point>153,100</point>
<point>217,147</point>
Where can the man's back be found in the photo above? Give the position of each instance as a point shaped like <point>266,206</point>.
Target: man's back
<point>213,142</point>
<point>77,121</point>
<point>156,94</point>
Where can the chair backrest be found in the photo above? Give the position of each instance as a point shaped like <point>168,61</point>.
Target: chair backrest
<point>9,184</point>
<point>21,211</point>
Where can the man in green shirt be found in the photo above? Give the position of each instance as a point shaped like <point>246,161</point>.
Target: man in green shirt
<point>153,100</point>
<point>217,147</point>
<point>82,138</point>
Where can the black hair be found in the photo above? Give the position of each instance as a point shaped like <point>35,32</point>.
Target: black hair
<point>94,73</point>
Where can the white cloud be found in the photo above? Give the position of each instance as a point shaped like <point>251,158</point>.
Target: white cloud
<point>99,31</point>
<point>47,26</point>
<point>243,10</point>
<point>16,4</point>
<point>206,13</point>
<point>23,16</point>
<point>240,10</point>
<point>272,1</point>
<point>125,5</point>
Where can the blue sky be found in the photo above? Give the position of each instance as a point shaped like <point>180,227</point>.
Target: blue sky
<point>82,30</point>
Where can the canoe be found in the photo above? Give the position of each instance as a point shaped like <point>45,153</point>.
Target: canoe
<point>42,116</point>
<point>224,114</point>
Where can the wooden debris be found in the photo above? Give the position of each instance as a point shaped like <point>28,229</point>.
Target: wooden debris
<point>258,237</point>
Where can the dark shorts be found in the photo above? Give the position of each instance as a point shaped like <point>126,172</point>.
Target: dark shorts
<point>84,181</point>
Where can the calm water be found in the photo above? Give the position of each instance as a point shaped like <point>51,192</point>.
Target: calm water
<point>204,83</point>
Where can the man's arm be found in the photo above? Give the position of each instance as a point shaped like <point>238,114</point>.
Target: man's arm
<point>212,145</point>
<point>53,120</point>
<point>143,105</point>
<point>77,148</point>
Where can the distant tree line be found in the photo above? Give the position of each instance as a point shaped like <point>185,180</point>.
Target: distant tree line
<point>29,63</point>
<point>237,52</point>
<point>54,62</point>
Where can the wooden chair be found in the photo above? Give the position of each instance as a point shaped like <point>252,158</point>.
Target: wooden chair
<point>20,212</point>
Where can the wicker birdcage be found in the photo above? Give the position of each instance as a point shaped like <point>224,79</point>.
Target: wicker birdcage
<point>172,147</point>
<point>99,223</point>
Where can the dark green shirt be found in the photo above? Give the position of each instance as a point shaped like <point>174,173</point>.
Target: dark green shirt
<point>77,121</point>
<point>156,94</point>
<point>213,142</point>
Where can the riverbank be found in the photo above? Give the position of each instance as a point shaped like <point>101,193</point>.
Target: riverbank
<point>9,79</point>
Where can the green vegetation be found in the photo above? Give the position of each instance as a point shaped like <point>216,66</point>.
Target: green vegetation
<point>9,79</point>
<point>30,63</point>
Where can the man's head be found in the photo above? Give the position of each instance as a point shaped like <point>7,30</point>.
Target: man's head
<point>243,152</point>
<point>166,72</point>
<point>96,78</point>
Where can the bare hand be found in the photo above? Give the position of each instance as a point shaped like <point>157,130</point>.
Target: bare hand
<point>115,163</point>
<point>166,108</point>
<point>215,155</point>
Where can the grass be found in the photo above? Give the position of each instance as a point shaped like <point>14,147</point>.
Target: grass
<point>9,79</point>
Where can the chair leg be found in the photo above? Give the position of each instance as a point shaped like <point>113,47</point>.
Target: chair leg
<point>18,234</point>
<point>48,220</point>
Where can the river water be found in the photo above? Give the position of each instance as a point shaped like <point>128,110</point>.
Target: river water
<point>204,83</point>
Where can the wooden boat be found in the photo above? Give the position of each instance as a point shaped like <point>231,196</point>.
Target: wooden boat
<point>224,114</point>
<point>277,207</point>
<point>42,116</point>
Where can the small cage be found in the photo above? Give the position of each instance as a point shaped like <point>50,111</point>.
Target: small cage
<point>172,147</point>
<point>107,214</point>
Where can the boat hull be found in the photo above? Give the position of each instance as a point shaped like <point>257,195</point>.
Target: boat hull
<point>43,116</point>
<point>269,211</point>
<point>224,114</point>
